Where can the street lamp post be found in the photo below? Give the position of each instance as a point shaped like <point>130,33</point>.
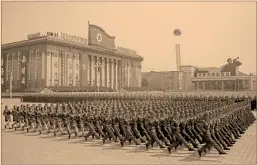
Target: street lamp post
<point>98,67</point>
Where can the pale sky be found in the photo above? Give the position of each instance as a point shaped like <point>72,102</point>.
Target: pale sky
<point>211,31</point>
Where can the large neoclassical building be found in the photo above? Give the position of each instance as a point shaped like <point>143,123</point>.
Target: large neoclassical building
<point>59,59</point>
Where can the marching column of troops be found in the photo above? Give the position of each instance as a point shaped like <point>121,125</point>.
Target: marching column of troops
<point>197,122</point>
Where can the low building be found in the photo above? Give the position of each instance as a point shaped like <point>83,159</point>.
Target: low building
<point>166,80</point>
<point>196,79</point>
<point>216,80</point>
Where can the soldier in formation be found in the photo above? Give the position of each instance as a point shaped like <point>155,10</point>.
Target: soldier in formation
<point>169,122</point>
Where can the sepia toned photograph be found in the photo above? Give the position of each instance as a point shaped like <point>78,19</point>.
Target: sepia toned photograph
<point>128,83</point>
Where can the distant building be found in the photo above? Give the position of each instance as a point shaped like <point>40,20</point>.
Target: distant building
<point>194,78</point>
<point>167,80</point>
<point>212,79</point>
<point>59,59</point>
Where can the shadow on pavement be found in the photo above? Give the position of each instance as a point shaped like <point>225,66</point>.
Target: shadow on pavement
<point>110,145</point>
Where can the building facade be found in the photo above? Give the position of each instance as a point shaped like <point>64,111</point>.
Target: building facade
<point>223,81</point>
<point>191,78</point>
<point>48,60</point>
<point>165,81</point>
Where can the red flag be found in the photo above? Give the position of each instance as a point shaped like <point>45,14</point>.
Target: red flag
<point>97,36</point>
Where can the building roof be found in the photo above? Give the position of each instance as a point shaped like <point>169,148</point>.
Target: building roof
<point>50,39</point>
<point>158,72</point>
<point>187,66</point>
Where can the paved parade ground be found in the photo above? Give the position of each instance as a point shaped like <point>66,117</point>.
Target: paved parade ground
<point>30,148</point>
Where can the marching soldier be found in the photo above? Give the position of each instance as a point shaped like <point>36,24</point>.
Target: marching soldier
<point>176,132</point>
<point>92,131</point>
<point>128,132</point>
<point>15,114</point>
<point>7,114</point>
<point>59,121</point>
<point>135,128</point>
<point>115,123</point>
<point>141,126</point>
<point>81,123</point>
<point>107,127</point>
<point>205,127</point>
<point>183,132</point>
<point>158,128</point>
<point>151,127</point>
<point>32,119</point>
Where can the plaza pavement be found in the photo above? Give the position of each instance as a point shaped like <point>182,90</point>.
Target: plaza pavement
<point>30,148</point>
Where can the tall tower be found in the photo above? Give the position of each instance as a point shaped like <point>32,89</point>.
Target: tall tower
<point>177,46</point>
<point>177,32</point>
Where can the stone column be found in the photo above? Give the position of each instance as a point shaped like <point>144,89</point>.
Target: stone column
<point>222,85</point>
<point>35,62</point>
<point>103,72</point>
<point>107,73</point>
<point>42,66</point>
<point>73,70</point>
<point>88,72</point>
<point>59,68</point>
<point>96,71</point>
<point>92,70</point>
<point>119,75</point>
<point>203,85</point>
<point>140,76</point>
<point>51,70</point>
<point>197,85</point>
<point>111,73</point>
<point>116,74</point>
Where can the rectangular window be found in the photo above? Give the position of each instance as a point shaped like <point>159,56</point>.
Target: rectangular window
<point>77,66</point>
<point>213,74</point>
<point>77,77</point>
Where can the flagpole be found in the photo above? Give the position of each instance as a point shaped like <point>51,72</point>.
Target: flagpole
<point>11,76</point>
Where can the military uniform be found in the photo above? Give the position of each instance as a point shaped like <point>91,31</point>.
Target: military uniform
<point>7,114</point>
<point>205,127</point>
<point>151,127</point>
<point>92,131</point>
<point>108,130</point>
<point>176,132</point>
<point>128,133</point>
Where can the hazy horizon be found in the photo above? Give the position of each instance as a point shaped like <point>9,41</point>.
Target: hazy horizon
<point>211,31</point>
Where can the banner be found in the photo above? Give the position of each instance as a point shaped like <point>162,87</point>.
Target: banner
<point>98,37</point>
<point>2,74</point>
<point>23,72</point>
